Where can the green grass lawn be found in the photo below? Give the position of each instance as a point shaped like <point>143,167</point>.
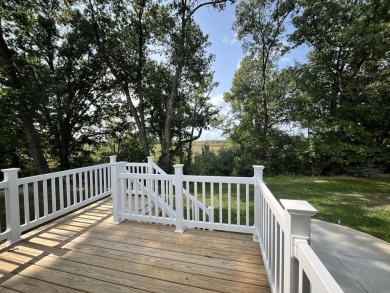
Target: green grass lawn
<point>361,203</point>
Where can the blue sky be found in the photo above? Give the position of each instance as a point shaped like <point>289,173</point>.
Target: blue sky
<point>228,53</point>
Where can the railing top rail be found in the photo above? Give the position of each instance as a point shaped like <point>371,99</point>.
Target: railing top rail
<point>146,176</point>
<point>275,206</point>
<point>2,184</point>
<point>219,179</point>
<point>315,270</point>
<point>195,178</point>
<point>136,164</point>
<point>61,173</point>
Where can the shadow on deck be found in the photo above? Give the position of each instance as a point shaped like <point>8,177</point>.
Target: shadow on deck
<point>85,252</point>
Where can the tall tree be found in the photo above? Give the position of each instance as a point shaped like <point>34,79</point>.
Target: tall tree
<point>78,90</point>
<point>22,72</point>
<point>192,111</point>
<point>344,79</point>
<point>55,80</point>
<point>180,47</point>
<point>130,33</point>
<point>260,25</point>
<point>126,33</point>
<point>248,118</point>
<point>196,113</point>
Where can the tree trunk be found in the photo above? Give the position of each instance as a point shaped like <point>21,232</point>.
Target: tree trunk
<point>166,144</point>
<point>265,109</point>
<point>64,154</point>
<point>189,151</point>
<point>34,146</point>
<point>140,77</point>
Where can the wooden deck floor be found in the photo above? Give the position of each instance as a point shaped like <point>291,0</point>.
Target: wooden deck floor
<point>85,252</point>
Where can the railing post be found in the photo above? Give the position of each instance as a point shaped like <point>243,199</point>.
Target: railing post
<point>179,197</point>
<point>150,164</point>
<point>258,177</point>
<point>12,204</point>
<point>117,193</point>
<point>113,159</point>
<point>151,171</point>
<point>298,215</point>
<point>258,172</point>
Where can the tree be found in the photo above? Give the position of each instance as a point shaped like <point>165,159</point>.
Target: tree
<point>129,34</point>
<point>197,113</point>
<point>192,111</point>
<point>126,32</point>
<point>121,136</point>
<point>13,145</point>
<point>261,24</point>
<point>78,91</point>
<point>248,114</point>
<point>343,83</point>
<point>181,53</point>
<point>21,70</point>
<point>55,80</point>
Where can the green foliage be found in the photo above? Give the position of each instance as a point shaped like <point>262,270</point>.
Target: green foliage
<point>259,91</point>
<point>342,96</point>
<point>260,24</point>
<point>208,162</point>
<point>23,41</point>
<point>338,100</point>
<point>121,139</point>
<point>260,115</point>
<point>69,67</point>
<point>205,163</point>
<point>226,161</point>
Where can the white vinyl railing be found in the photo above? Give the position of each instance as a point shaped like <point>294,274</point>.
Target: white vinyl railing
<point>236,204</point>
<point>283,234</point>
<point>152,168</point>
<point>32,201</point>
<point>226,197</point>
<point>143,192</point>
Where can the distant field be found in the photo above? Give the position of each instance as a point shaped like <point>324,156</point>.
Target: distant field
<point>214,146</point>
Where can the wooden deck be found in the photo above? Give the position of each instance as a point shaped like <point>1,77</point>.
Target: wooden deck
<point>85,252</point>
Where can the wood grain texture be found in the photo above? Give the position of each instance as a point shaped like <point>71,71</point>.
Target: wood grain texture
<point>84,251</point>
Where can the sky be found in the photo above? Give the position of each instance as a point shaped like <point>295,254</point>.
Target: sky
<point>228,53</point>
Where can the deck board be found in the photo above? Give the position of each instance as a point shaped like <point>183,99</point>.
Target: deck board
<point>84,251</point>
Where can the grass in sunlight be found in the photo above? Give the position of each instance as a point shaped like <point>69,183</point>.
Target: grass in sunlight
<point>361,203</point>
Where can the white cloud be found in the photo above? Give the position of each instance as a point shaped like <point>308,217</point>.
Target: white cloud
<point>226,40</point>
<point>285,59</point>
<point>218,101</point>
<point>230,41</point>
<point>234,40</point>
